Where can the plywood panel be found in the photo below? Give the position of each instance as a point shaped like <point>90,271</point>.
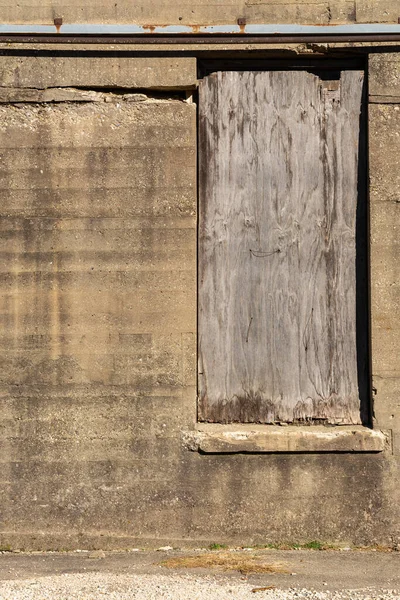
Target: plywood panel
<point>277,279</point>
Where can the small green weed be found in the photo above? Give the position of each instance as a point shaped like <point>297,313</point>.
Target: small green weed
<point>217,546</point>
<point>313,545</point>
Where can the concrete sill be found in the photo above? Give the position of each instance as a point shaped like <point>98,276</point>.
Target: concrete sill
<point>211,438</point>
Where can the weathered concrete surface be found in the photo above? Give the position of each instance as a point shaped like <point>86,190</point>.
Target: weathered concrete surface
<point>211,438</point>
<point>98,72</point>
<point>98,375</point>
<point>384,128</point>
<point>384,81</point>
<point>185,12</point>
<point>377,11</point>
<point>384,152</point>
<point>385,270</point>
<point>98,310</point>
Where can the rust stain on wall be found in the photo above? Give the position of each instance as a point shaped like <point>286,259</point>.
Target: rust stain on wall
<point>58,23</point>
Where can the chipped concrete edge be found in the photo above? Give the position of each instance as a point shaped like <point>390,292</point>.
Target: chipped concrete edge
<point>66,94</point>
<point>212,438</point>
<point>71,94</point>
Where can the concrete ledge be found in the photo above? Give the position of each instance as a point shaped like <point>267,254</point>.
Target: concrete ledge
<point>41,72</point>
<point>213,438</point>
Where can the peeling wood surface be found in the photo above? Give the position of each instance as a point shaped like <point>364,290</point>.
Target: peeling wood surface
<point>277,270</point>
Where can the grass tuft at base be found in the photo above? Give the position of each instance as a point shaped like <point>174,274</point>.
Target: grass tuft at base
<point>225,561</point>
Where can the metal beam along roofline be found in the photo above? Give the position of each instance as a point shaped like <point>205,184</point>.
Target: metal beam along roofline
<point>285,29</point>
<point>230,33</point>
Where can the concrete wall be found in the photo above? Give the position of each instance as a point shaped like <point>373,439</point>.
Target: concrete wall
<point>98,338</point>
<point>384,140</point>
<point>159,12</point>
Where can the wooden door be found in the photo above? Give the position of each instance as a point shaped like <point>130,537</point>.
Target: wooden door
<point>279,158</point>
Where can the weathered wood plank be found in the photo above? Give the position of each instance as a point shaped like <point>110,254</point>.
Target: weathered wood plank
<point>277,269</point>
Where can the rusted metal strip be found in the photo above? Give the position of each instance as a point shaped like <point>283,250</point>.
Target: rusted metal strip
<point>196,34</point>
<point>198,39</point>
<point>239,28</point>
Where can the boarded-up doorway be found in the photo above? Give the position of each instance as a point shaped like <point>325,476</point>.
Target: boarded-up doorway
<point>282,287</point>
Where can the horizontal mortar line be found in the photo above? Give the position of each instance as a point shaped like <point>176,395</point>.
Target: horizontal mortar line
<point>46,396</point>
<point>109,257</point>
<point>124,463</point>
<point>62,217</point>
<point>123,219</point>
<point>127,461</point>
<point>170,272</point>
<point>71,150</point>
<point>17,224</point>
<point>116,340</point>
<point>104,273</point>
<point>82,190</point>
<point>91,397</point>
<point>81,272</point>
<point>62,149</point>
<point>124,164</point>
<point>109,237</point>
<point>59,218</point>
<point>133,217</point>
<point>377,101</point>
<point>120,252</point>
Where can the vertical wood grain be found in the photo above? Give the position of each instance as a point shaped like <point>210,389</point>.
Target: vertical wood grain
<point>277,253</point>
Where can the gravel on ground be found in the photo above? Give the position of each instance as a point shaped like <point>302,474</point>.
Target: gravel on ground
<point>113,586</point>
<point>169,574</point>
